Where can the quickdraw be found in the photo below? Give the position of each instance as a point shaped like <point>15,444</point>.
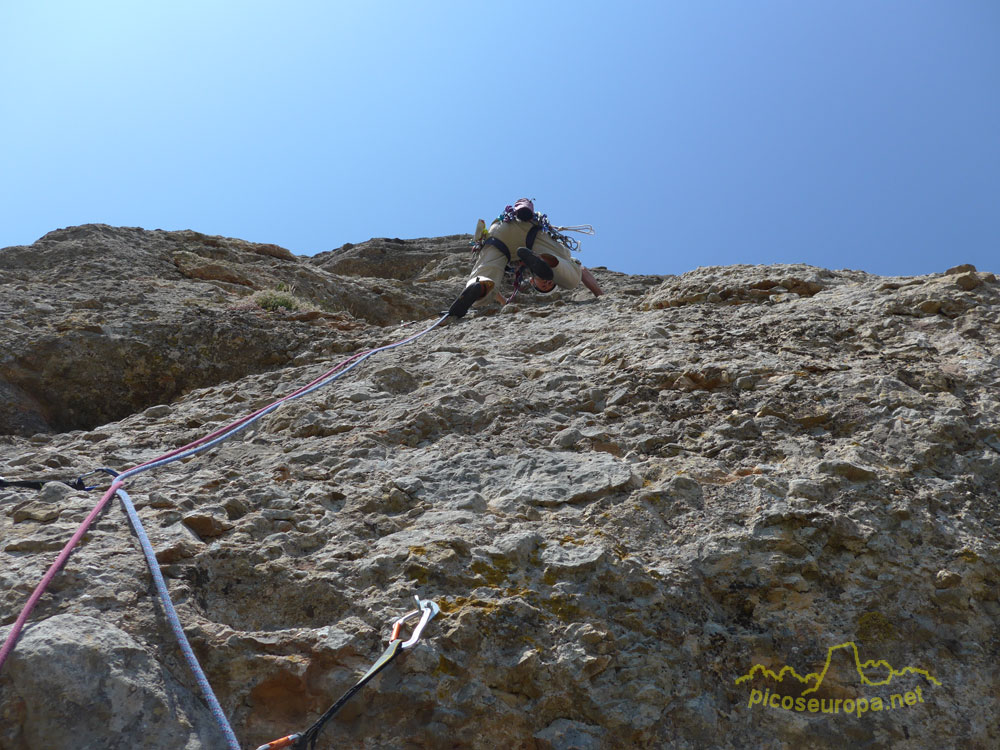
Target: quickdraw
<point>306,740</point>
<point>200,445</point>
<point>518,280</point>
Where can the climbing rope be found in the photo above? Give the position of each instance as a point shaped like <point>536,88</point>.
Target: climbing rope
<point>306,740</point>
<point>198,446</point>
<point>22,618</point>
<point>175,622</point>
<point>517,283</point>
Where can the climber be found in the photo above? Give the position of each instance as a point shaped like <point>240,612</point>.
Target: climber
<point>535,244</point>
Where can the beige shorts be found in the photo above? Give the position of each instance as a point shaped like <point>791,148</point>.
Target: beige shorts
<point>491,262</point>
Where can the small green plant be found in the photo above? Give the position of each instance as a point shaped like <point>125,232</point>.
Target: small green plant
<point>272,299</point>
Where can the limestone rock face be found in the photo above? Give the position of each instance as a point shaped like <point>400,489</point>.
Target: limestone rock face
<point>100,322</point>
<point>402,279</point>
<point>634,511</point>
<point>75,679</point>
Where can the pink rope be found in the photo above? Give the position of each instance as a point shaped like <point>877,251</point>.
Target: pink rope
<point>248,417</point>
<point>67,550</point>
<point>84,527</point>
<point>12,637</point>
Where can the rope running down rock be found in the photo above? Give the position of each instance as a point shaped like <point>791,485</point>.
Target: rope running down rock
<point>198,446</point>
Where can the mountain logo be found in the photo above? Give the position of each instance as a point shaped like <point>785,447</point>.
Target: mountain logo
<point>871,673</point>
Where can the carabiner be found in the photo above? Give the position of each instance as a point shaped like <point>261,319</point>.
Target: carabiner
<point>79,480</point>
<point>427,610</point>
<point>286,741</point>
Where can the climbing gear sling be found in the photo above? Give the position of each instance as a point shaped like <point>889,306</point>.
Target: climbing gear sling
<point>306,740</point>
<point>37,484</point>
<point>187,451</point>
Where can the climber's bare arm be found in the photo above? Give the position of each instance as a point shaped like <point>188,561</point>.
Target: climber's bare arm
<point>590,282</point>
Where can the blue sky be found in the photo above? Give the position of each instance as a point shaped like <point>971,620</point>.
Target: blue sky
<point>851,134</point>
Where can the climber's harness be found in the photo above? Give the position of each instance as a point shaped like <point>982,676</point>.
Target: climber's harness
<point>515,270</point>
<point>529,242</point>
<point>498,244</point>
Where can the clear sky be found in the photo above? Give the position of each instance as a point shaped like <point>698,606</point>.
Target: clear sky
<point>842,133</point>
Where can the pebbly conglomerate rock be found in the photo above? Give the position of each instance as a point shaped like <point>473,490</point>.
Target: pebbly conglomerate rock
<point>621,504</point>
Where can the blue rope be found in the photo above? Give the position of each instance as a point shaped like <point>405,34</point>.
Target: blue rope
<point>239,428</point>
<point>175,623</point>
<point>150,555</point>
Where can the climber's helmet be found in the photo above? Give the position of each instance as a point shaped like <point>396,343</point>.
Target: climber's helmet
<point>524,209</point>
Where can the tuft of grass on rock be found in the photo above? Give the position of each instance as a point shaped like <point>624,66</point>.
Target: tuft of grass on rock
<point>273,300</point>
<point>278,299</point>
